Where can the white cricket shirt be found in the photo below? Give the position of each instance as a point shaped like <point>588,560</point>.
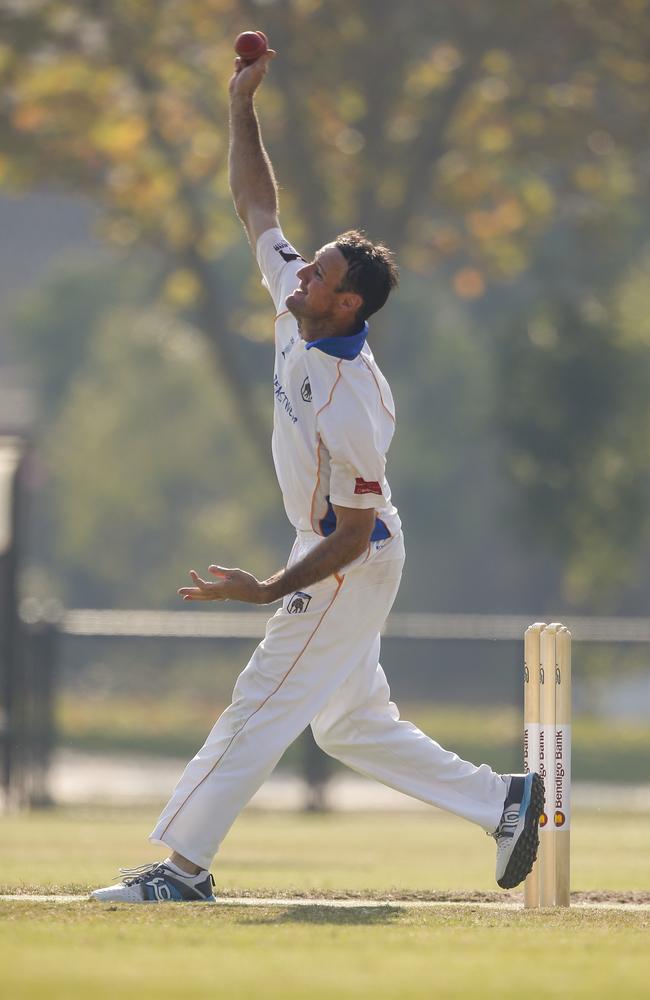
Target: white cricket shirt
<point>334,415</point>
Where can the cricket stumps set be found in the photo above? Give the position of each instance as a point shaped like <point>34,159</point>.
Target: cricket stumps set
<point>547,750</point>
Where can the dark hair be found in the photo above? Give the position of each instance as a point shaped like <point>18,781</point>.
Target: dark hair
<point>372,273</point>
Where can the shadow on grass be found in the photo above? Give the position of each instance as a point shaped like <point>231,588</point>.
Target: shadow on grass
<point>337,915</point>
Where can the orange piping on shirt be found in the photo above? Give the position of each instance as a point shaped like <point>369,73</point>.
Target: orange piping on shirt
<point>381,398</point>
<point>280,315</point>
<point>313,496</point>
<point>336,382</point>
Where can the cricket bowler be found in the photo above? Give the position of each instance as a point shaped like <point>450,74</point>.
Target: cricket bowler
<point>318,663</point>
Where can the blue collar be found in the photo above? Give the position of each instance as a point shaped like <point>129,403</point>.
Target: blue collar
<point>348,347</point>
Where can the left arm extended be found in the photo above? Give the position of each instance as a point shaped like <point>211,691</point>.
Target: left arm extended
<point>345,544</point>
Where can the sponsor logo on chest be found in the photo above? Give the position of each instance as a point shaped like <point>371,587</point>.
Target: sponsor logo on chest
<point>283,400</point>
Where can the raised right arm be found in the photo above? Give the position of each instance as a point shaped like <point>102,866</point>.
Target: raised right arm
<point>252,181</point>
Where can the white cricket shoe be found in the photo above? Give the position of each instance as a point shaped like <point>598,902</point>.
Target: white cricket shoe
<point>517,834</point>
<point>157,883</point>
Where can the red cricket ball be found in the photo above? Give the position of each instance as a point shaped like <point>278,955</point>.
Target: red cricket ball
<point>250,45</point>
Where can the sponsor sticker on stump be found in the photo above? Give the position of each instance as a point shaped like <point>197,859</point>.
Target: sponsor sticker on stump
<point>562,771</point>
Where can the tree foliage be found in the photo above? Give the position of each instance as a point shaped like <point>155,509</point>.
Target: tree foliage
<point>457,132</point>
<point>501,146</point>
<point>146,470</point>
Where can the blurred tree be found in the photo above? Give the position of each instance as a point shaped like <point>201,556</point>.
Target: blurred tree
<point>472,137</point>
<point>53,327</point>
<point>447,460</point>
<point>576,413</point>
<point>144,413</point>
<point>457,131</point>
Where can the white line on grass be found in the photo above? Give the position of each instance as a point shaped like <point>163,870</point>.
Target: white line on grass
<point>341,904</point>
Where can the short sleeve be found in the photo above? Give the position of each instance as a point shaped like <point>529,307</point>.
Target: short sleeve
<point>279,263</point>
<point>357,457</point>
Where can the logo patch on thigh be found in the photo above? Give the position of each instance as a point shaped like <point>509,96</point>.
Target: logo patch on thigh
<point>298,603</point>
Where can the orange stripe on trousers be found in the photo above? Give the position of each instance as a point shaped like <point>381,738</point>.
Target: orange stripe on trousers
<point>258,709</point>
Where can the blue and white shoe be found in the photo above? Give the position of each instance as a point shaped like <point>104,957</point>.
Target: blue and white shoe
<point>157,883</point>
<point>517,834</point>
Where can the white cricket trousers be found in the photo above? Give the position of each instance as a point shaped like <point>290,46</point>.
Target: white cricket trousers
<point>319,663</point>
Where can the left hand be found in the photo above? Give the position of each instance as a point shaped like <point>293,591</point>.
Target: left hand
<point>230,585</point>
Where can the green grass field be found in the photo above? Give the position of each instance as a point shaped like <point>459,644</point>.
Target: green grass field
<point>81,949</point>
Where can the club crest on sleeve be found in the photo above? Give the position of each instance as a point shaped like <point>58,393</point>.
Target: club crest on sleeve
<point>298,603</point>
<point>366,486</point>
<point>287,252</point>
<point>305,390</point>
<point>286,350</point>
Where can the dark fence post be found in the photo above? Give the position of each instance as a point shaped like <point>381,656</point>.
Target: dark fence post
<point>12,453</point>
<point>39,674</point>
<point>316,768</point>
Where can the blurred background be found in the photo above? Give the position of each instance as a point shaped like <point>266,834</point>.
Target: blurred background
<point>502,150</point>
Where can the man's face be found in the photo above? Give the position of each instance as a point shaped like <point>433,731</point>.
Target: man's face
<point>316,298</point>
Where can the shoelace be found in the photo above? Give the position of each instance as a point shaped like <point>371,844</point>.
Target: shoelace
<point>132,876</point>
